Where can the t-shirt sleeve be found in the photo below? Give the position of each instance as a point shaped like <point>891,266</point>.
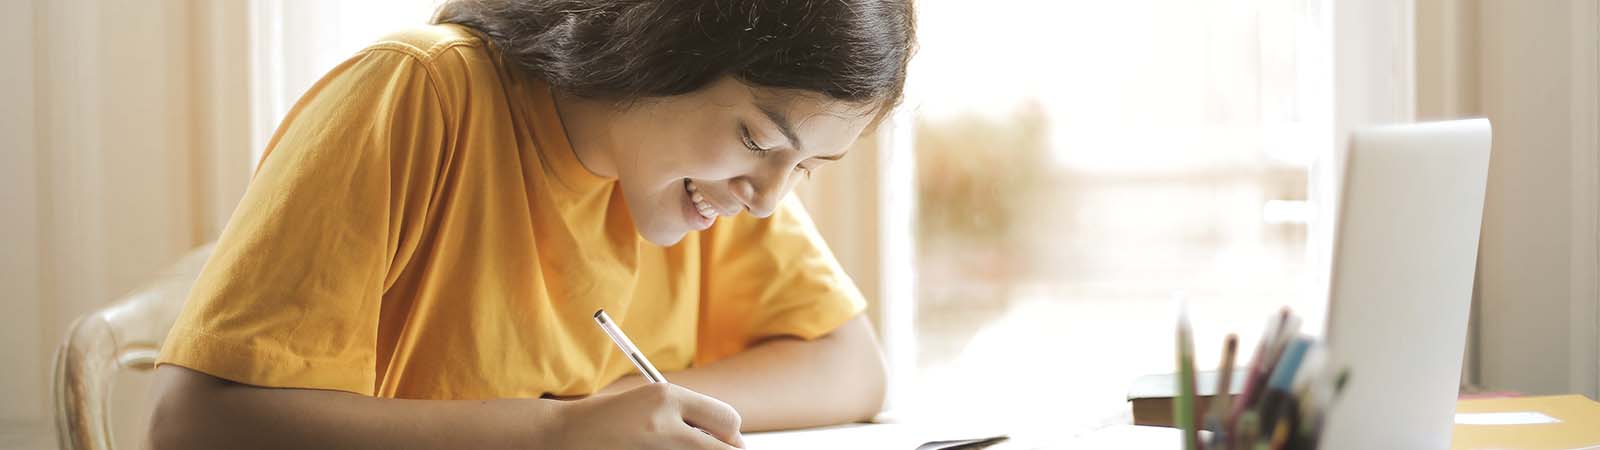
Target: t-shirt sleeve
<point>292,294</point>
<point>771,277</point>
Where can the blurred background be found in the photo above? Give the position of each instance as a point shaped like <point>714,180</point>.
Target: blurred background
<point>1059,171</point>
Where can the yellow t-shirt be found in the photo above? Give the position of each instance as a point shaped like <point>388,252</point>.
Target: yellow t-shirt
<point>420,228</point>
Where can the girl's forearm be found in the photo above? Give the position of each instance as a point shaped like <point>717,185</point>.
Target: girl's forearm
<point>792,383</point>
<point>196,411</point>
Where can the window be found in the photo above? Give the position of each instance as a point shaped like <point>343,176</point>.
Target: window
<point>1076,164</point>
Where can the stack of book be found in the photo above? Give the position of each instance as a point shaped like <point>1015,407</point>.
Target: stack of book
<point>1282,399</point>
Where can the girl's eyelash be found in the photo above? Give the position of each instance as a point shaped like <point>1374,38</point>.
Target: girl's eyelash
<point>749,142</point>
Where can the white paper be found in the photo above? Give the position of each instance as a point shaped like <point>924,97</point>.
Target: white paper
<point>1126,437</point>
<point>909,437</point>
<point>866,436</point>
<point>1505,418</point>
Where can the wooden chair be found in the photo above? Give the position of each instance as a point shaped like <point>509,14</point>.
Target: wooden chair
<point>125,335</point>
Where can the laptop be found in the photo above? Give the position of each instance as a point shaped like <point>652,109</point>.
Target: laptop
<point>1405,250</point>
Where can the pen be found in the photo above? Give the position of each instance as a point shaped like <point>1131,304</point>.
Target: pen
<point>610,327</point>
<point>1223,395</point>
<point>1278,386</point>
<point>1253,373</point>
<point>1287,330</point>
<point>639,361</point>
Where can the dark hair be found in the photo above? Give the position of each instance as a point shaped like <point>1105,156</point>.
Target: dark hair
<point>852,50</point>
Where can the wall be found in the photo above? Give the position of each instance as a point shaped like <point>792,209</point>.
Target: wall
<point>1531,68</point>
<point>1538,324</point>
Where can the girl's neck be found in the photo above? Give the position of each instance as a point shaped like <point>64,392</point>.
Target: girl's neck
<point>587,124</point>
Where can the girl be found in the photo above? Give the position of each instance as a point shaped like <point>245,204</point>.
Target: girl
<point>418,256</point>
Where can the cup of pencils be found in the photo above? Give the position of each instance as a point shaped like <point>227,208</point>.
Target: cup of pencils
<point>1287,389</point>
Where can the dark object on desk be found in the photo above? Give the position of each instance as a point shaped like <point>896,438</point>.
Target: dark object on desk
<point>1151,395</point>
<point>964,444</point>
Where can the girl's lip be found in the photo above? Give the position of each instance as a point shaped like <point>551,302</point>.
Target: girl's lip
<point>692,214</point>
<point>688,188</point>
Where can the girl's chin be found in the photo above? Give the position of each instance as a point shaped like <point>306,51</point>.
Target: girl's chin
<point>675,217</point>
<point>664,238</point>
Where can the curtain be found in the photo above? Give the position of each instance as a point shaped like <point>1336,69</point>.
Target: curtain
<point>125,136</point>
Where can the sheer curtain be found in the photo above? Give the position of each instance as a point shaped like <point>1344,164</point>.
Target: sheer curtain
<point>125,145</point>
<point>296,41</point>
<point>130,131</point>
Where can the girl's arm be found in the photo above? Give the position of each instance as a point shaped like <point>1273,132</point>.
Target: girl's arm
<point>791,383</point>
<point>198,411</point>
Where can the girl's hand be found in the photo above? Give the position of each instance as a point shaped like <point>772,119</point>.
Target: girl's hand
<point>624,384</point>
<point>653,416</point>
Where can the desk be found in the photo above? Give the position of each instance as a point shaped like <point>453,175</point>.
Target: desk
<point>1575,425</point>
<point>899,436</point>
<point>1565,422</point>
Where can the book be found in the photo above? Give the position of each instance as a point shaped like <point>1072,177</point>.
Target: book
<point>1151,395</point>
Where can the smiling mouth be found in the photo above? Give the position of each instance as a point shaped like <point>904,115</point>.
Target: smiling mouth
<point>701,206</point>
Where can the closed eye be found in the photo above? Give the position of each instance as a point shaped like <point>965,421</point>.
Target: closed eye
<point>750,142</point>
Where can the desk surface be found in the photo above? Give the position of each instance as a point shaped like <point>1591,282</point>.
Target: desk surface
<point>1564,422</point>
<point>1568,422</point>
<point>911,437</point>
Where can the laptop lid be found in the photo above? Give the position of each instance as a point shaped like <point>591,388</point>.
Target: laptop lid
<point>1404,256</point>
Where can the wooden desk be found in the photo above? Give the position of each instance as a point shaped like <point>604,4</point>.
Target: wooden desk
<point>915,437</point>
<point>1576,424</point>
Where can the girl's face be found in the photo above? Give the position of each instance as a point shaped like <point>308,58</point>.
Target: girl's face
<point>686,160</point>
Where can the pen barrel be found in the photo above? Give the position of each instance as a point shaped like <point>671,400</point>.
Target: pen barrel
<point>649,371</point>
<point>634,355</point>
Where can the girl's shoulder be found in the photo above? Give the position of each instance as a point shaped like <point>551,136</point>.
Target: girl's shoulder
<point>429,42</point>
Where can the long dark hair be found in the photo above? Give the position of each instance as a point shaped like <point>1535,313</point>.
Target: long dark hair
<point>852,50</point>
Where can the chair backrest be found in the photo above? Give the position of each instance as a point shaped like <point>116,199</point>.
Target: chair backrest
<point>125,335</point>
